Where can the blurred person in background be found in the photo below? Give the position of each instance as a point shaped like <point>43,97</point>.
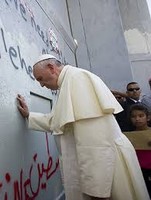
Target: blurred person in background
<point>141,139</point>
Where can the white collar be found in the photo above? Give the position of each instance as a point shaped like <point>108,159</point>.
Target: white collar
<point>136,101</point>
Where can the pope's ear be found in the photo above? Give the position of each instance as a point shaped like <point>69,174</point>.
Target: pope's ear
<point>49,65</point>
<point>51,68</point>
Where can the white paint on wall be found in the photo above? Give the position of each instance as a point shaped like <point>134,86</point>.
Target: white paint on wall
<point>149,6</point>
<point>149,41</point>
<point>138,42</point>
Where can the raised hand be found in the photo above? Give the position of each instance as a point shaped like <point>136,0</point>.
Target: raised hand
<point>22,106</point>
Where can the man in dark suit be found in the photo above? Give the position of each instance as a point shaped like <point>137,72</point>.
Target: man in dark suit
<point>133,96</point>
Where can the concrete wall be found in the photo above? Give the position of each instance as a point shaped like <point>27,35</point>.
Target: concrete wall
<point>101,44</point>
<point>137,30</point>
<point>28,28</point>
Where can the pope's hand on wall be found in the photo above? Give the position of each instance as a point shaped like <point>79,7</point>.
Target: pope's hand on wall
<point>22,106</point>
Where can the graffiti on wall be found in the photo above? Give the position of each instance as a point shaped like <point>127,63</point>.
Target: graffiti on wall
<point>24,188</point>
<point>15,55</point>
<point>48,37</point>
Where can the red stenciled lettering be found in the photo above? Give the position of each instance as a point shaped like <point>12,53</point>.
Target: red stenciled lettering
<point>7,177</point>
<point>24,188</point>
<point>18,188</point>
<point>1,185</point>
<point>34,193</point>
<point>5,197</point>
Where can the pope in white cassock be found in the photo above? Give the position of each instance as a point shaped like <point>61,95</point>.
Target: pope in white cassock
<point>97,160</point>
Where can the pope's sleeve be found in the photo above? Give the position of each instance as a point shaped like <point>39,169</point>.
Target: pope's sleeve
<point>39,121</point>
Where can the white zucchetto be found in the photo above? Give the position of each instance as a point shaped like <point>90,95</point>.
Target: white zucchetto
<point>45,57</point>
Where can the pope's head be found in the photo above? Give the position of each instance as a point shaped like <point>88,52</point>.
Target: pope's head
<point>46,71</point>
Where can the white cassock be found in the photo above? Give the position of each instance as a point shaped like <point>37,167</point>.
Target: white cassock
<point>97,159</point>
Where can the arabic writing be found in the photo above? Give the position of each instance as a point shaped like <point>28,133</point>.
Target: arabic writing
<point>26,188</point>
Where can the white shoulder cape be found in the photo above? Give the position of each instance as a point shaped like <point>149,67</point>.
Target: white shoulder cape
<point>82,95</point>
